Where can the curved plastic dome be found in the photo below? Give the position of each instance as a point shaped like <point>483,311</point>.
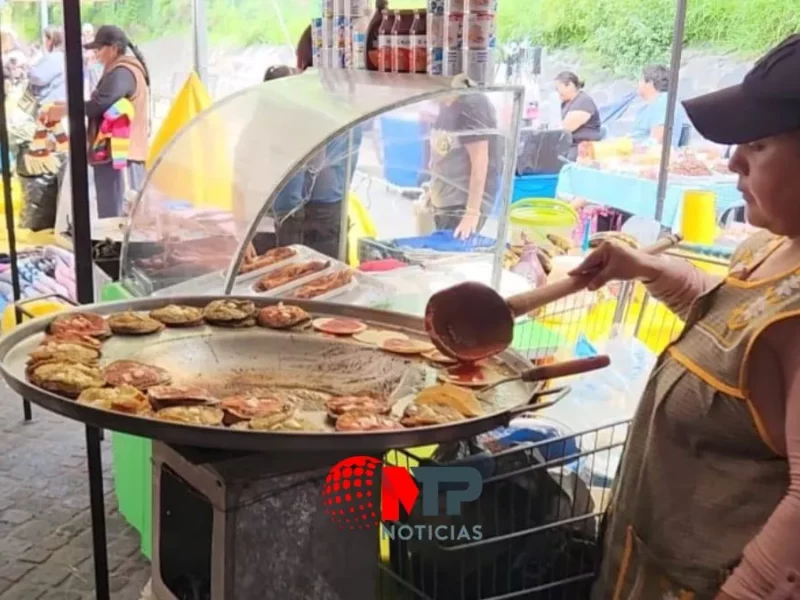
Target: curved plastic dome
<point>251,161</point>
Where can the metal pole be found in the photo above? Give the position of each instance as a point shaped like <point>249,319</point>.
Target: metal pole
<point>200,39</point>
<point>5,164</point>
<point>82,247</point>
<point>43,14</point>
<point>344,221</point>
<point>672,97</point>
<point>509,166</point>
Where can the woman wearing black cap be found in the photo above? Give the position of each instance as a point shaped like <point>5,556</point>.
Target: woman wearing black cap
<point>124,76</point>
<point>707,501</point>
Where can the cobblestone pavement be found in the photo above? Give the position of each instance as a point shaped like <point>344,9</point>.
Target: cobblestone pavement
<point>45,527</point>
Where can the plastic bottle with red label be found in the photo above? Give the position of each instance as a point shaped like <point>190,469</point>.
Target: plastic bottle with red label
<point>401,46</point>
<point>385,43</point>
<point>419,45</point>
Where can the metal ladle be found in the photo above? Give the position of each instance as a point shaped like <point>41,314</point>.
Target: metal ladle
<point>471,321</point>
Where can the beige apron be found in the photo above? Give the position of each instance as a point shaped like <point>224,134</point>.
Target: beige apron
<point>700,476</point>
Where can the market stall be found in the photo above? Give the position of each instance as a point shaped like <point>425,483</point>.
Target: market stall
<point>630,185</point>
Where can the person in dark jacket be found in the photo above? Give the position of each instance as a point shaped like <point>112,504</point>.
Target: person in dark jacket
<point>579,113</point>
<point>124,76</point>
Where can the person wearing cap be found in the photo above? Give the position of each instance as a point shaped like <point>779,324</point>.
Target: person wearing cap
<point>124,76</point>
<point>706,504</point>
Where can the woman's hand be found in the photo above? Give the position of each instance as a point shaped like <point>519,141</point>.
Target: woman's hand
<point>613,261</point>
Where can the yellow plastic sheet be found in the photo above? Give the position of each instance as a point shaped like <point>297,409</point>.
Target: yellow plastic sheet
<point>204,179</point>
<point>37,308</point>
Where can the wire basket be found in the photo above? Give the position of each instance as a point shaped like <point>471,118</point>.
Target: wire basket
<point>540,509</point>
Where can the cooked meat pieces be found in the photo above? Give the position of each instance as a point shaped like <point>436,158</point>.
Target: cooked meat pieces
<point>287,424</point>
<point>177,315</point>
<point>168,395</point>
<point>192,415</point>
<point>345,404</point>
<point>248,406</point>
<point>84,323</point>
<point>229,311</point>
<point>74,338</point>
<point>270,257</point>
<point>323,285</point>
<point>136,374</point>
<point>244,323</point>
<point>133,323</point>
<point>65,378</point>
<point>360,420</point>
<point>126,399</point>
<point>421,415</point>
<point>282,316</point>
<point>64,351</point>
<point>283,275</point>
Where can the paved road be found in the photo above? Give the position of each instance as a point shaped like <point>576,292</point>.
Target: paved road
<point>45,533</point>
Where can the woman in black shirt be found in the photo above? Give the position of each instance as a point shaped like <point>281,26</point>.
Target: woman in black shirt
<point>579,114</point>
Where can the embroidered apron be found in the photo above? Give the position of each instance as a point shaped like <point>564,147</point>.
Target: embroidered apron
<point>700,476</point>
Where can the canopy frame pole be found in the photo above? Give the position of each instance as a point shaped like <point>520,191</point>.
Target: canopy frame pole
<point>82,247</point>
<point>200,40</point>
<point>672,100</point>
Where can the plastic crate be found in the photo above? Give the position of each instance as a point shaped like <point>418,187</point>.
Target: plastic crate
<point>534,186</point>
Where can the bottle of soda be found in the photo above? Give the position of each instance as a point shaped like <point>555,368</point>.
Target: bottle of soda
<point>384,43</point>
<point>401,44</point>
<point>419,45</point>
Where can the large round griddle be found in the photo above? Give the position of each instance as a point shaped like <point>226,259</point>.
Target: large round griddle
<point>228,359</point>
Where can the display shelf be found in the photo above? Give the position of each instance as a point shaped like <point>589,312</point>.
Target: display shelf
<point>245,153</point>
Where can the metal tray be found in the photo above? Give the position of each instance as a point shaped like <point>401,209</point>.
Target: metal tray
<point>302,253</point>
<point>295,283</point>
<point>348,287</point>
<point>267,358</point>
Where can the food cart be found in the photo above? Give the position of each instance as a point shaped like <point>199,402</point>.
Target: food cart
<point>220,160</point>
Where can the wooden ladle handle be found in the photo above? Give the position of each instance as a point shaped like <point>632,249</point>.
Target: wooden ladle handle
<point>524,303</point>
<point>566,368</point>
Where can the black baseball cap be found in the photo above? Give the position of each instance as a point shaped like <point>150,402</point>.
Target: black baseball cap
<point>108,35</point>
<point>766,103</point>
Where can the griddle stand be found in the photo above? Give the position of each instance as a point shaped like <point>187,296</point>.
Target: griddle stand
<point>241,526</point>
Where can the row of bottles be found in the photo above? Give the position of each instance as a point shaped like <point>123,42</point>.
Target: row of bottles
<point>447,37</point>
<point>339,36</point>
<point>402,49</point>
<point>444,40</point>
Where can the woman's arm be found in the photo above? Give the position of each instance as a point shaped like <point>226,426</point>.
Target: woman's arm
<point>479,167</point>
<point>575,119</point>
<point>478,152</point>
<point>770,567</point>
<point>677,283</point>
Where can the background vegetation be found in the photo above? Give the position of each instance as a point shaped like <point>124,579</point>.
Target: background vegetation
<point>620,34</point>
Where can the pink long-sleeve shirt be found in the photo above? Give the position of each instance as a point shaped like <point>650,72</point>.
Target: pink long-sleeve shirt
<point>770,566</point>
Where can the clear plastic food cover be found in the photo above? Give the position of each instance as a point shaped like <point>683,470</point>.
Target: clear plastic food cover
<point>415,157</point>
